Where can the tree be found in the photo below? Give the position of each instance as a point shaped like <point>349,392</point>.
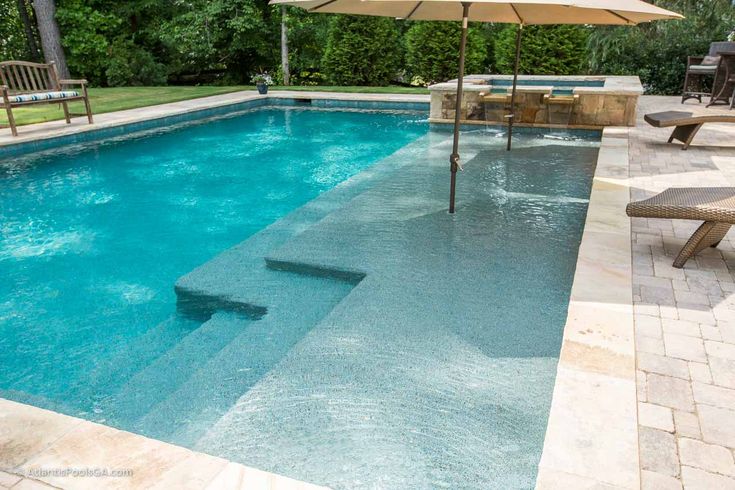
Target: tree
<point>50,35</point>
<point>362,50</point>
<point>307,40</point>
<point>432,51</point>
<point>545,50</point>
<point>28,29</point>
<point>233,35</point>
<point>286,72</point>
<point>657,52</point>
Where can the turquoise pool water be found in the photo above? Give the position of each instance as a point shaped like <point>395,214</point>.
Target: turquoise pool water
<point>366,339</point>
<point>94,237</point>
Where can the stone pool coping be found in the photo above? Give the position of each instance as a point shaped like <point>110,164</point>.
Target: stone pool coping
<point>592,433</point>
<point>35,443</point>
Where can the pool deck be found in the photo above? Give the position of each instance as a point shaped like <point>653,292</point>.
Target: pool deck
<point>645,388</point>
<point>684,318</point>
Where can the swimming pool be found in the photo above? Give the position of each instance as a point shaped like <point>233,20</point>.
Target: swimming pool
<point>364,340</point>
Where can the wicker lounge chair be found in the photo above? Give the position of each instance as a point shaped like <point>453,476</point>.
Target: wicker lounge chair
<point>713,205</point>
<point>687,124</point>
<point>23,83</point>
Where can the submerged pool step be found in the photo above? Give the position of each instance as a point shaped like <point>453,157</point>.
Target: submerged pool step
<point>129,359</point>
<point>211,390</point>
<point>162,376</point>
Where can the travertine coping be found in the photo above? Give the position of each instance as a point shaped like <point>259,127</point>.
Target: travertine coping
<point>36,443</point>
<point>592,434</point>
<point>52,129</point>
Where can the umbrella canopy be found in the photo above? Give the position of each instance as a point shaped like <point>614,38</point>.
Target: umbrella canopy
<point>522,12</point>
<point>613,12</point>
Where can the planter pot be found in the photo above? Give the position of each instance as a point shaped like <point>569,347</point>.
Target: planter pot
<point>262,88</point>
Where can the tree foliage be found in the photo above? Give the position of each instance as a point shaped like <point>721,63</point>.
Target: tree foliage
<point>361,50</point>
<point>657,52</point>
<point>136,42</point>
<point>87,36</point>
<point>12,41</point>
<point>545,50</point>
<point>432,51</point>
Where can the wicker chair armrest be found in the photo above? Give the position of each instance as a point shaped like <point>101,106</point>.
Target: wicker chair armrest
<point>80,81</point>
<point>694,60</point>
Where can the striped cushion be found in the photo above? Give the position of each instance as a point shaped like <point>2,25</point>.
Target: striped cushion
<point>44,96</point>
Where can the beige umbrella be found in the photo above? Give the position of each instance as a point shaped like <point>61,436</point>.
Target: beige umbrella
<point>521,12</point>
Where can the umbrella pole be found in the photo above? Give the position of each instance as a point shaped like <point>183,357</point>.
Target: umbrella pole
<point>512,115</point>
<point>454,157</point>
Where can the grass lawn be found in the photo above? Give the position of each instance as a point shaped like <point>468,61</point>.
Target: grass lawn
<point>120,98</point>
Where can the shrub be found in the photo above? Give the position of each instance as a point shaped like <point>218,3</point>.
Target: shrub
<point>432,51</point>
<point>545,50</point>
<point>132,65</point>
<point>86,33</point>
<point>657,52</point>
<point>361,50</point>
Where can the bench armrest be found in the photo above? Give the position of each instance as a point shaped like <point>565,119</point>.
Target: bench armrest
<point>694,60</point>
<point>81,81</point>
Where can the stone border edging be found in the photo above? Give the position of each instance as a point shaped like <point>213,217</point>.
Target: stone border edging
<point>592,433</point>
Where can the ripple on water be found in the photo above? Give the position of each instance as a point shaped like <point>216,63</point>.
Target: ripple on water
<point>130,293</point>
<point>35,239</point>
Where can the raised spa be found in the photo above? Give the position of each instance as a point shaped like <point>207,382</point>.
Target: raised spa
<point>590,102</point>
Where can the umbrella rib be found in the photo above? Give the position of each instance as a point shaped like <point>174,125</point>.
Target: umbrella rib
<point>413,10</point>
<point>627,20</point>
<point>520,19</point>
<point>322,5</point>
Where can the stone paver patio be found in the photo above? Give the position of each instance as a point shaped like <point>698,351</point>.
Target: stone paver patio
<point>684,319</point>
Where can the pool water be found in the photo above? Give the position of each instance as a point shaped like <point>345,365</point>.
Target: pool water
<point>354,335</point>
<point>502,82</point>
<point>94,237</point>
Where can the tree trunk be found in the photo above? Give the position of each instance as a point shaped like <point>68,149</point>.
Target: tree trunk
<point>28,28</point>
<point>284,48</point>
<point>48,29</point>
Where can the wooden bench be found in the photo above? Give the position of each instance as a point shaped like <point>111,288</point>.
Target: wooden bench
<point>687,124</point>
<point>23,83</point>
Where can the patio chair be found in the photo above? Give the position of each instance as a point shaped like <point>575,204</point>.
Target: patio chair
<point>700,68</point>
<point>713,205</point>
<point>724,82</point>
<point>686,124</point>
<point>23,83</point>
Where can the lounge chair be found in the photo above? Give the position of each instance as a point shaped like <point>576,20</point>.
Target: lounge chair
<point>713,205</point>
<point>23,83</point>
<point>687,124</point>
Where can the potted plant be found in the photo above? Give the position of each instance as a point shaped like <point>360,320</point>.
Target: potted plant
<point>262,80</point>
